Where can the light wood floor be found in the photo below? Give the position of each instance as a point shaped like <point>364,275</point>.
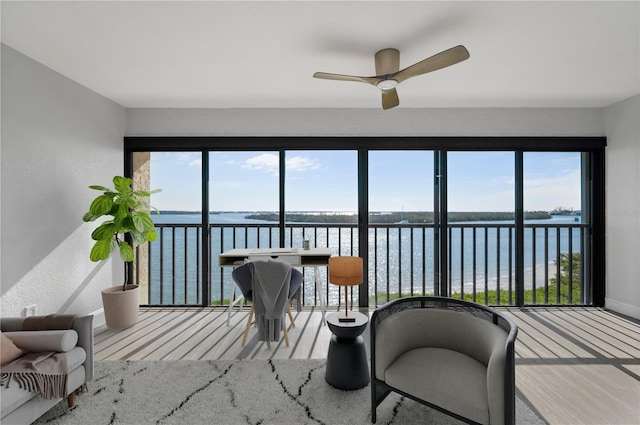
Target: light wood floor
<point>573,365</point>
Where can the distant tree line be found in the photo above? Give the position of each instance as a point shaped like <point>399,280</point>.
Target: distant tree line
<point>174,212</point>
<point>565,211</point>
<point>307,218</point>
<point>399,217</point>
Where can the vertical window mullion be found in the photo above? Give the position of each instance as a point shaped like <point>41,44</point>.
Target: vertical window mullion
<point>519,217</point>
<point>206,233</point>
<point>281,194</point>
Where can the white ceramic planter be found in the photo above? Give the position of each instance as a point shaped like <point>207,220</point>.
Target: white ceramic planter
<point>121,307</point>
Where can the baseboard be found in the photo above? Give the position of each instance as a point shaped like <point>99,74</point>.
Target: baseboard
<point>98,318</point>
<point>622,308</point>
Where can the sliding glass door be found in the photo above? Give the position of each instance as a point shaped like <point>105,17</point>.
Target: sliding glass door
<point>321,207</point>
<point>402,249</point>
<point>557,228</point>
<point>480,227</point>
<point>169,269</point>
<point>243,209</point>
<point>520,224</point>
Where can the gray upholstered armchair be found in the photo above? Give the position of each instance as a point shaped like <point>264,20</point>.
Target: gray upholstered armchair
<point>452,355</point>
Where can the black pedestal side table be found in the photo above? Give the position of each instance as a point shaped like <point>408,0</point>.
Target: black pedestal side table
<point>347,364</point>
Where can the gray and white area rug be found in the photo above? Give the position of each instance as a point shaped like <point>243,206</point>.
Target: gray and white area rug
<point>228,392</point>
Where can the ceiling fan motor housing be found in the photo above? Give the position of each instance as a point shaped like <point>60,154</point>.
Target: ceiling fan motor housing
<point>387,61</point>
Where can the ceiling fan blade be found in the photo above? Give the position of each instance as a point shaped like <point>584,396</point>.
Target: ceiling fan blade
<point>438,61</point>
<point>390,99</point>
<point>341,77</point>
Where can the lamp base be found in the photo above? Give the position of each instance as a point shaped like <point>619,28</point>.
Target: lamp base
<point>348,319</point>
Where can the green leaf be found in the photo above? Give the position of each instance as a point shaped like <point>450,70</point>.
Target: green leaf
<point>122,184</point>
<point>142,193</point>
<point>89,217</point>
<point>131,203</point>
<point>101,205</point>
<point>143,205</point>
<point>101,250</point>
<point>152,236</point>
<point>126,252</point>
<point>138,221</point>
<point>113,209</point>
<point>127,224</point>
<point>118,221</point>
<point>105,231</point>
<point>121,212</point>
<point>148,223</point>
<point>143,221</point>
<point>138,237</point>
<point>100,188</point>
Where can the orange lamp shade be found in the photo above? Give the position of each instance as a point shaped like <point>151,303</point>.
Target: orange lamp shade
<point>345,271</point>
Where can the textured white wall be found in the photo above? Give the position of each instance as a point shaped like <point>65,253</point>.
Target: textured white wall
<point>366,122</point>
<point>623,207</point>
<point>57,138</point>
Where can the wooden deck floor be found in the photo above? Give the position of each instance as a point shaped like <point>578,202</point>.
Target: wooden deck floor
<point>573,365</point>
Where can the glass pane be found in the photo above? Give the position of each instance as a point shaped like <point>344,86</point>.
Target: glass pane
<point>481,226</point>
<point>321,198</point>
<point>555,233</point>
<point>401,232</point>
<point>243,209</point>
<point>175,257</point>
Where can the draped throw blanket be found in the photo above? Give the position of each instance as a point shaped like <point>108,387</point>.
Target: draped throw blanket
<point>44,373</point>
<point>270,283</point>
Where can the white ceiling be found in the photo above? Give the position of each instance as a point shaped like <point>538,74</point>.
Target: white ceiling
<point>262,54</point>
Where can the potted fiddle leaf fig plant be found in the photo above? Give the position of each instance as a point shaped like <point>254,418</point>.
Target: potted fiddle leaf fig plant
<point>128,224</point>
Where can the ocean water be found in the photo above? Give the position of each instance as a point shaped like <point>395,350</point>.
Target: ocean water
<point>400,259</point>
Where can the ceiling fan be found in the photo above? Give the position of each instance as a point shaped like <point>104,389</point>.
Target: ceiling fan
<point>388,73</point>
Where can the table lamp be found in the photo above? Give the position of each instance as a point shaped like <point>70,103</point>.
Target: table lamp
<point>345,271</point>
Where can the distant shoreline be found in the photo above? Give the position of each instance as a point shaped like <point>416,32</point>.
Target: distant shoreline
<point>403,217</point>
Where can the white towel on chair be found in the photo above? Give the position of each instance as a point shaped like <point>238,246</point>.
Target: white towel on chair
<point>270,284</point>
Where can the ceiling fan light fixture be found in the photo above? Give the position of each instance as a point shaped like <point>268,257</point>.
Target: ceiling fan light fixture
<point>389,75</point>
<point>387,84</point>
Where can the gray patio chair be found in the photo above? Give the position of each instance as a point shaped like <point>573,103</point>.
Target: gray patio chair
<point>243,276</point>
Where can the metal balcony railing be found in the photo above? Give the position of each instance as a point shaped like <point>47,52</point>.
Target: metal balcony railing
<point>402,261</point>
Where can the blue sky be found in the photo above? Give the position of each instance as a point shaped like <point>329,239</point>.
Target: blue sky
<point>398,180</point>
